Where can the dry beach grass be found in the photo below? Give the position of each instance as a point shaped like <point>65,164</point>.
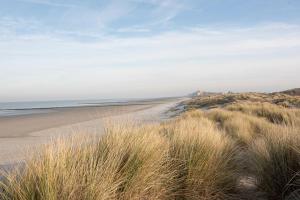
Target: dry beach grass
<point>198,155</point>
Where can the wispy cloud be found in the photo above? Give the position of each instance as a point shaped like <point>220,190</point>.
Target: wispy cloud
<point>89,20</point>
<point>193,57</point>
<point>49,3</point>
<point>134,29</point>
<point>186,44</point>
<point>164,10</point>
<point>113,11</point>
<point>11,27</point>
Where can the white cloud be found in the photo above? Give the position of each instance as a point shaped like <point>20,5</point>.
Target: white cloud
<point>164,11</point>
<point>264,57</point>
<point>89,20</point>
<point>134,29</point>
<point>49,3</point>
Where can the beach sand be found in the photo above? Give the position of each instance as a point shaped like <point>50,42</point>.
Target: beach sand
<point>20,134</point>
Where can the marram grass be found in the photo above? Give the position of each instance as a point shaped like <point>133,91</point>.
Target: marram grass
<point>192,160</point>
<point>198,155</point>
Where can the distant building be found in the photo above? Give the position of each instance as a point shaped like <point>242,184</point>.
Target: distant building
<point>200,93</point>
<point>197,93</point>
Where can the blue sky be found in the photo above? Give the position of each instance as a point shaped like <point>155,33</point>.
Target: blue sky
<point>71,49</point>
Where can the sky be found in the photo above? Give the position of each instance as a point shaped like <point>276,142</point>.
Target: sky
<point>99,49</point>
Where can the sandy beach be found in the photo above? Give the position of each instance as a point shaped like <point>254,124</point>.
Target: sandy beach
<point>19,134</point>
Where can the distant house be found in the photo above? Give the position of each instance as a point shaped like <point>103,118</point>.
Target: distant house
<point>200,93</point>
<point>197,93</point>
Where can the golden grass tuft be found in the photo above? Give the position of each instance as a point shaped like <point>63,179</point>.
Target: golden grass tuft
<point>206,158</point>
<point>241,127</point>
<point>275,162</point>
<point>275,114</point>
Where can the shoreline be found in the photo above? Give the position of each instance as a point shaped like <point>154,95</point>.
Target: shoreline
<point>10,126</point>
<point>79,103</point>
<point>35,108</point>
<point>19,133</point>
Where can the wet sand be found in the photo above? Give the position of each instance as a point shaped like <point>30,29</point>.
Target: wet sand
<point>19,134</point>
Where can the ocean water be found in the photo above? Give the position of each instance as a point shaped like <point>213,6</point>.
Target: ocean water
<point>25,108</point>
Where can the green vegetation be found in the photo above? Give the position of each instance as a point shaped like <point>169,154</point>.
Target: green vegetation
<point>201,154</point>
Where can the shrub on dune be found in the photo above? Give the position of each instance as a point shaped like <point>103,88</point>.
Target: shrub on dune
<point>193,114</point>
<point>145,169</point>
<point>275,161</point>
<point>242,127</point>
<point>219,115</point>
<point>206,158</point>
<point>273,113</point>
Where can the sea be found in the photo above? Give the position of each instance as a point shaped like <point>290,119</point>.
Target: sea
<point>32,107</point>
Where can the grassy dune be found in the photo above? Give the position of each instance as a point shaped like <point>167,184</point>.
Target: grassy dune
<point>239,146</point>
